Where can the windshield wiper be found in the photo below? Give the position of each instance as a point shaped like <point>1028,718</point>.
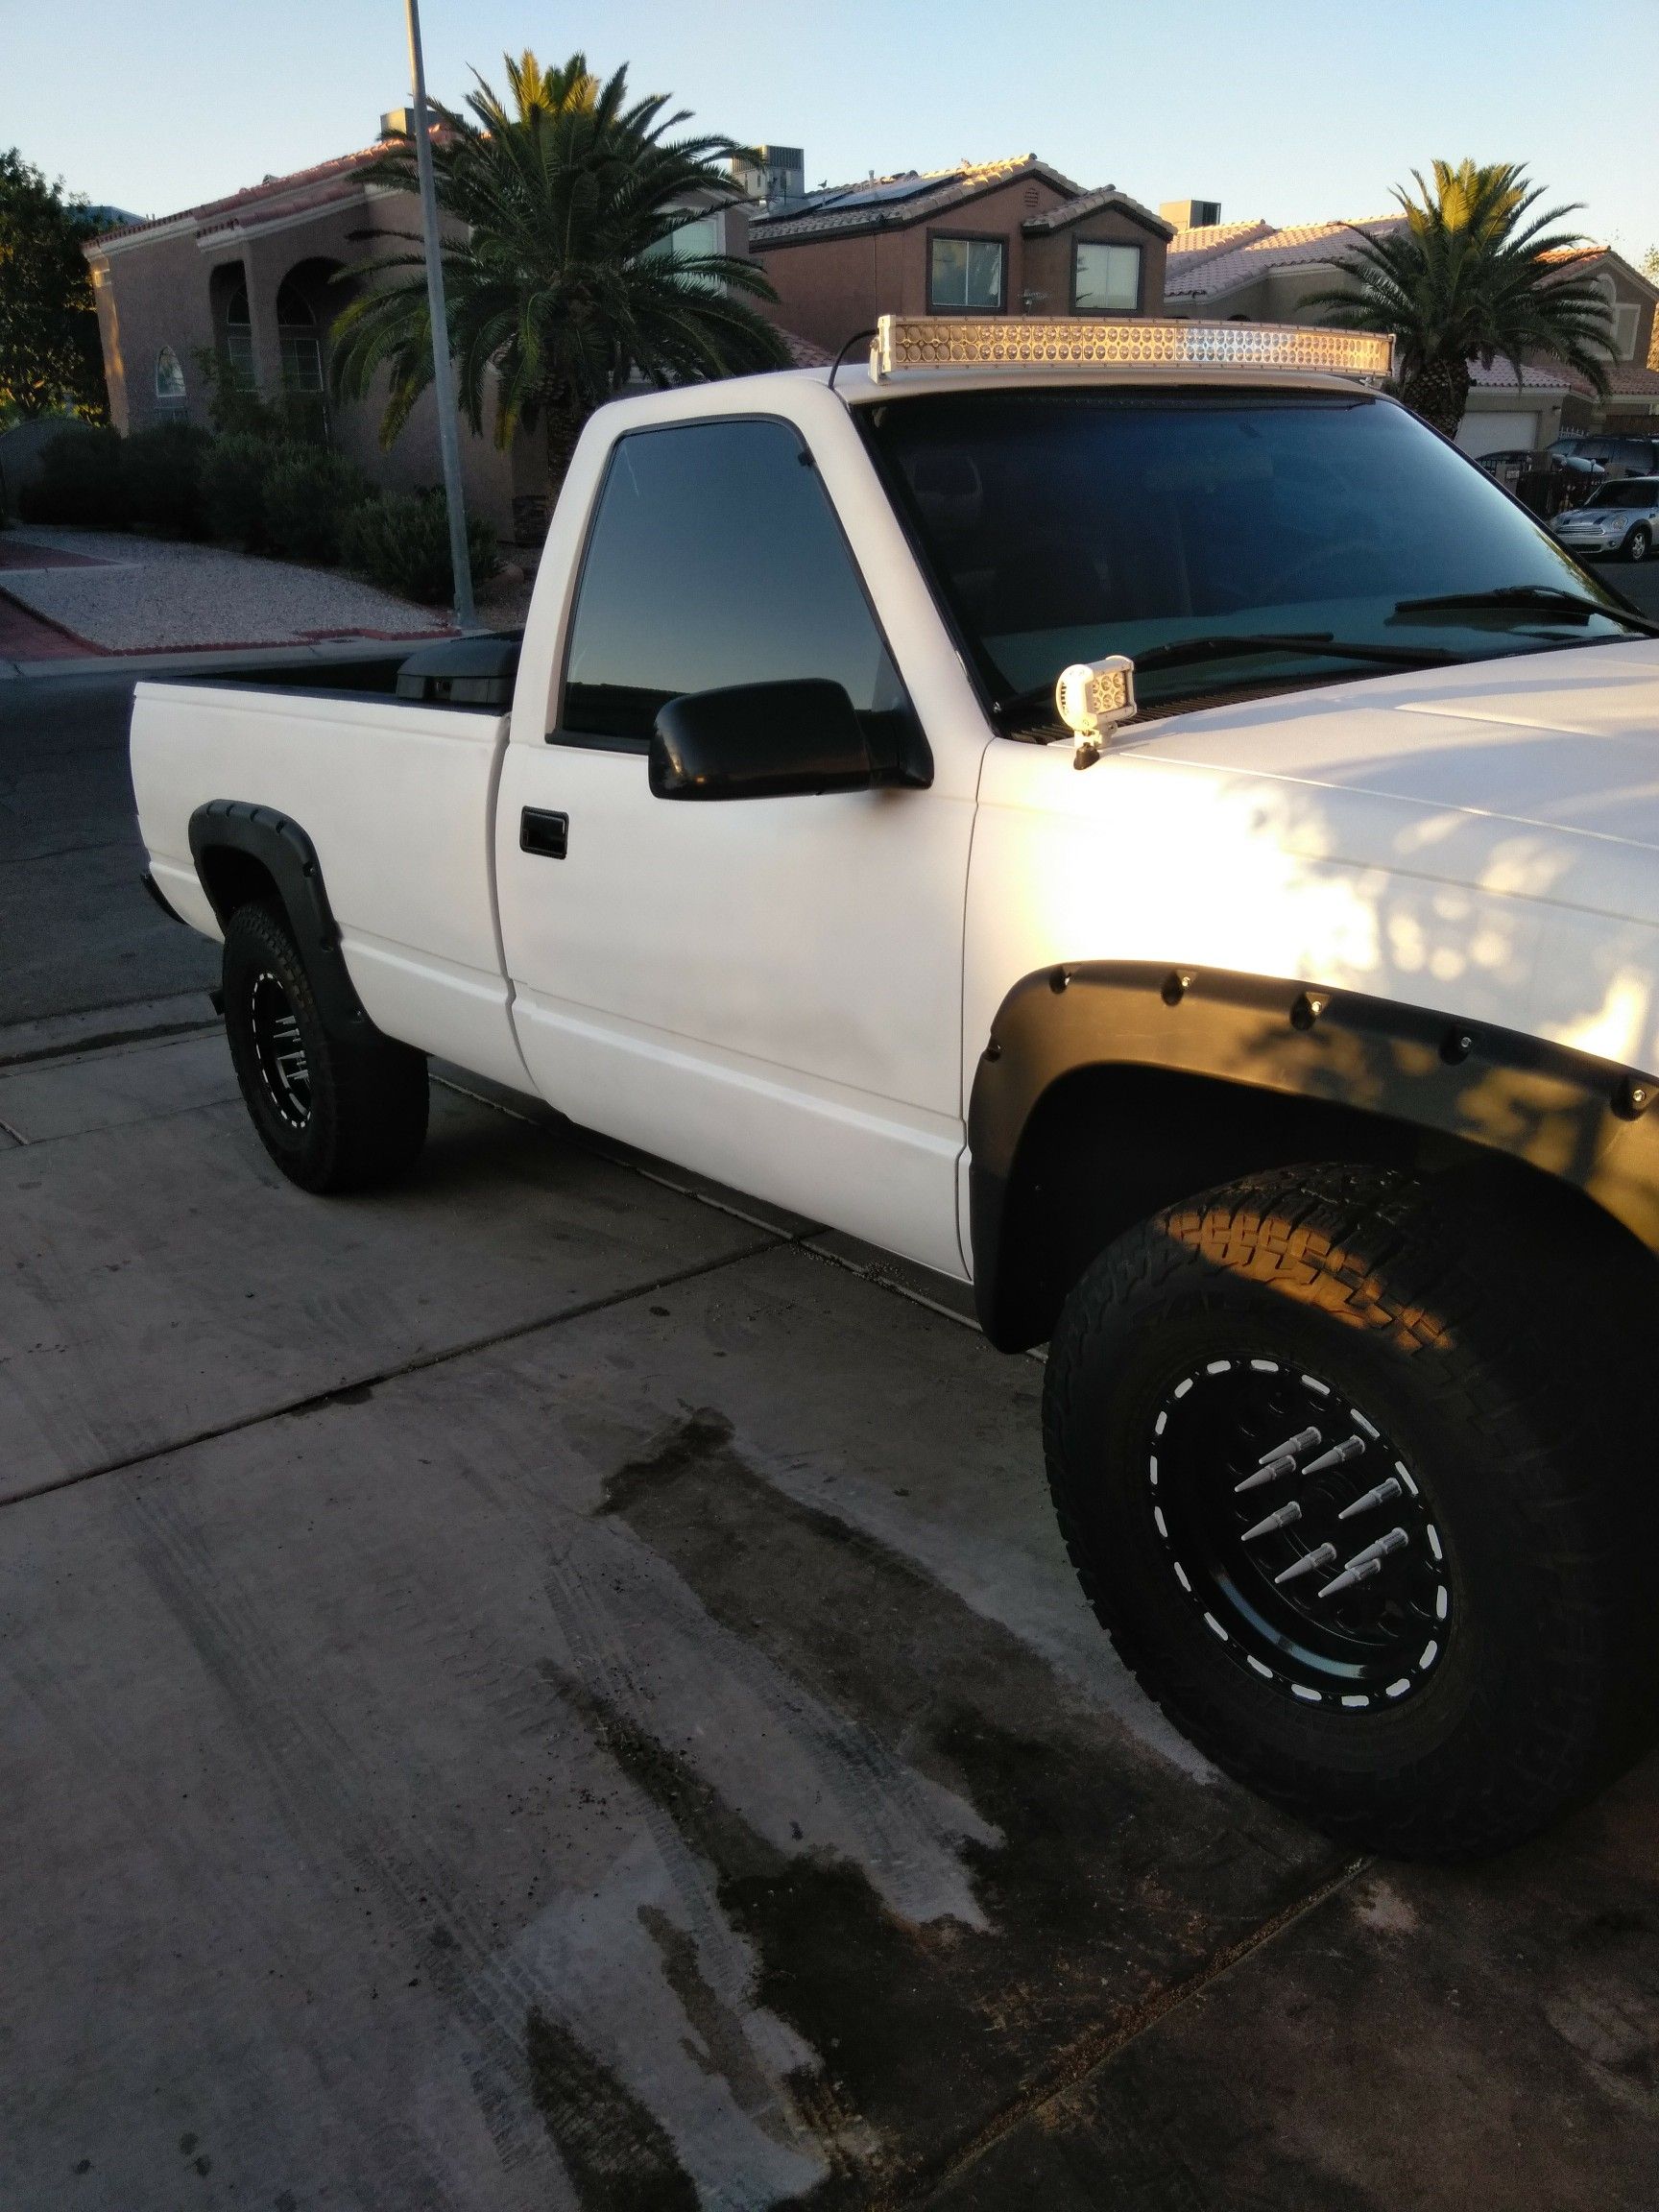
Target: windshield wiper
<point>1180,651</point>
<point>1525,600</point>
<point>1185,652</point>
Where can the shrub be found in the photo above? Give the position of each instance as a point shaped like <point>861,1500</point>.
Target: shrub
<point>309,495</point>
<point>161,469</point>
<point>78,480</point>
<point>403,545</point>
<point>234,476</point>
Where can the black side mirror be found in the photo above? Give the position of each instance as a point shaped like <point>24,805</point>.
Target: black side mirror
<point>760,742</point>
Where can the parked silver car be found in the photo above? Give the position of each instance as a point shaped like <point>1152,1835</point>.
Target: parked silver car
<point>1617,518</point>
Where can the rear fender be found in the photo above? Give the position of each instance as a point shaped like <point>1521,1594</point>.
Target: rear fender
<point>226,830</point>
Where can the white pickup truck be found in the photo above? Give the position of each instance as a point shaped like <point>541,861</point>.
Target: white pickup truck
<point>1285,1069</point>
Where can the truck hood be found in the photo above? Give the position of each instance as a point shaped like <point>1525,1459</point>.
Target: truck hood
<point>1537,775</point>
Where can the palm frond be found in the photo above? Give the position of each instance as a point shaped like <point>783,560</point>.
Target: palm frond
<point>1475,271</point>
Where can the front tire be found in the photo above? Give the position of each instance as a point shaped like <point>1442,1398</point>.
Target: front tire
<point>335,1112</point>
<point>1639,543</point>
<point>1335,1476</point>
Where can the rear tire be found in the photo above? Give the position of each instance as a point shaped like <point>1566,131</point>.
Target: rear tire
<point>1492,1663</point>
<point>335,1112</point>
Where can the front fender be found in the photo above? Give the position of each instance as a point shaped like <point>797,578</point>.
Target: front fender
<point>1575,1118</point>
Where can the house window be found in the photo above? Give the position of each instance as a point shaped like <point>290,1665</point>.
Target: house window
<point>966,275</point>
<point>695,238</point>
<point>296,341</point>
<point>1105,279</point>
<point>239,339</point>
<point>169,376</point>
<point>1626,323</point>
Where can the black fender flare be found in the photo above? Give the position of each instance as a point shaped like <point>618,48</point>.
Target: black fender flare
<point>289,858</point>
<point>1580,1120</point>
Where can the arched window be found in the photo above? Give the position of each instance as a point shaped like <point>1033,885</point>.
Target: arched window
<point>169,376</point>
<point>301,348</point>
<point>239,337</point>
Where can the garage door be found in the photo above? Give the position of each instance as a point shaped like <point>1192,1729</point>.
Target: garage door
<point>1498,433</point>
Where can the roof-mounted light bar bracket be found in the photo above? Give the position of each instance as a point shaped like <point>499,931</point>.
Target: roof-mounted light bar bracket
<point>906,342</point>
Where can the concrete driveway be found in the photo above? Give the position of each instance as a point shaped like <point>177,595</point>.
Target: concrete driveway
<point>556,1688</point>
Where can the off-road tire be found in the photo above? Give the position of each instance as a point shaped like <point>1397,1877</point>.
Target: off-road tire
<point>1501,1375</point>
<point>355,1114</point>
<point>1639,543</point>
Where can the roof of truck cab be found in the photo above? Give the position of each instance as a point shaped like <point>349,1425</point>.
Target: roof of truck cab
<point>860,388</point>
<point>853,383</point>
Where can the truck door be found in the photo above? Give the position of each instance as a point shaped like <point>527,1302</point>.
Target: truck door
<point>768,991</point>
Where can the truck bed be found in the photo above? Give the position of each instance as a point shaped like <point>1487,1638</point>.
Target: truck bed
<point>396,799</point>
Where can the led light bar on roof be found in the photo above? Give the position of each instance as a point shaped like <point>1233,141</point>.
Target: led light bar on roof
<point>1005,342</point>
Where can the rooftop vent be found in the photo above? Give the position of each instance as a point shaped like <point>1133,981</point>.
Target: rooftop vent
<point>1191,214</point>
<point>396,121</point>
<point>777,173</point>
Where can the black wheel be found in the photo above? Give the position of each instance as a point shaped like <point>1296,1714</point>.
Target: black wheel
<point>334,1112</point>
<point>1639,543</point>
<point>1358,1499</point>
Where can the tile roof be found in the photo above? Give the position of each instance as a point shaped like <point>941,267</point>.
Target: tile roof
<point>1632,378</point>
<point>879,203</point>
<point>802,353</point>
<point>1107,196</point>
<point>1534,378</point>
<point>219,214</point>
<point>1213,238</point>
<point>1204,269</point>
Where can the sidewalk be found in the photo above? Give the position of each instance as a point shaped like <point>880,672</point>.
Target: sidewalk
<point>85,594</point>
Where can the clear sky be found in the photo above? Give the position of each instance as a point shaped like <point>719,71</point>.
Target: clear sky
<point>1297,110</point>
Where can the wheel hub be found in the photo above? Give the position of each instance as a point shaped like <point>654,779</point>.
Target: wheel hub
<point>1299,1532</point>
<point>279,1052</point>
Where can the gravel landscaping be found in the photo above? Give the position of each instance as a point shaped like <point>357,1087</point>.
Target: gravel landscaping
<point>151,595</point>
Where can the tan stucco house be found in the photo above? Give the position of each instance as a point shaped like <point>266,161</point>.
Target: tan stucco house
<point>256,280</point>
<point>1258,272</point>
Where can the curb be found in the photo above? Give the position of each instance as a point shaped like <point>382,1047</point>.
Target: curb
<point>53,1036</point>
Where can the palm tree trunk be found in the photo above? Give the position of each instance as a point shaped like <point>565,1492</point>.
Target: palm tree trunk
<point>1439,391</point>
<point>561,422</point>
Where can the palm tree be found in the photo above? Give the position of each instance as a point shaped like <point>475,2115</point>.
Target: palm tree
<point>1472,273</point>
<point>560,277</point>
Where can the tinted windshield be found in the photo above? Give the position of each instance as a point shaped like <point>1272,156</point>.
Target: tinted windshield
<point>1063,526</point>
<point>1628,492</point>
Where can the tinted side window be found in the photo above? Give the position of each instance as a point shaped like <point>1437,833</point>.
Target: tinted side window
<point>714,558</point>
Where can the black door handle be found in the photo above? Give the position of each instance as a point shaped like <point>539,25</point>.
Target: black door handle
<point>540,831</point>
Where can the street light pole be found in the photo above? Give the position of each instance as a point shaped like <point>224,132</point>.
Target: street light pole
<point>442,368</point>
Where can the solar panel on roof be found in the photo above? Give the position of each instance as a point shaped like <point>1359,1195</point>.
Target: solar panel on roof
<point>880,195</point>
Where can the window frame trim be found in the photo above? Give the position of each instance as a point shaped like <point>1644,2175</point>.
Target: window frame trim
<point>592,742</point>
<point>1128,246</point>
<point>177,398</point>
<point>997,238</point>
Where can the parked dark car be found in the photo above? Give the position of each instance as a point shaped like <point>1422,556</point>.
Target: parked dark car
<point>1616,456</point>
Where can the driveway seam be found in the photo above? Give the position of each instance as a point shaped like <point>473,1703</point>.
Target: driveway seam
<point>104,1041</point>
<point>1091,2053</point>
<point>127,1122</point>
<point>314,1401</point>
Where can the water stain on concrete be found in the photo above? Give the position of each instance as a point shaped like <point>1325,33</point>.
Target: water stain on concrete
<point>619,2157</point>
<point>1099,1876</point>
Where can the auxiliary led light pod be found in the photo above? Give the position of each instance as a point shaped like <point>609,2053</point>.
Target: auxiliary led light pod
<point>1093,698</point>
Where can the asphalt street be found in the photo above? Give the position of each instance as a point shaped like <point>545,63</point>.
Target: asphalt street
<point>557,1687</point>
<point>73,934</point>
